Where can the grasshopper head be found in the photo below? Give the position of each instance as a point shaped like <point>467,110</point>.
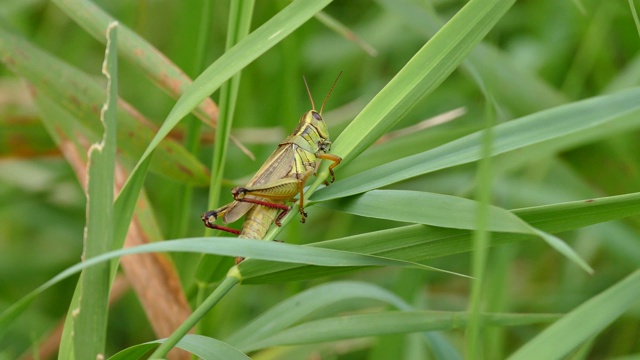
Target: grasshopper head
<point>312,122</point>
<point>311,133</point>
<point>314,119</point>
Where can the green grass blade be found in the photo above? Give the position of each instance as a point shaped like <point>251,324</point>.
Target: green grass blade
<point>183,195</point>
<point>221,70</point>
<point>288,312</point>
<point>420,243</point>
<point>125,203</point>
<point>240,15</point>
<point>474,336</point>
<point>360,325</point>
<point>444,211</point>
<point>234,60</point>
<point>326,299</point>
<point>342,30</point>
<point>635,16</point>
<point>66,347</point>
<point>208,348</point>
<point>138,51</point>
<point>518,134</point>
<point>521,91</point>
<point>135,352</point>
<point>205,348</point>
<point>528,65</point>
<point>90,317</point>
<point>196,316</point>
<point>219,246</point>
<point>436,210</point>
<point>428,68</point>
<point>81,95</point>
<point>584,322</point>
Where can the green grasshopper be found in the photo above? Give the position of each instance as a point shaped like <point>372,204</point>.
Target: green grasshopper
<point>279,179</point>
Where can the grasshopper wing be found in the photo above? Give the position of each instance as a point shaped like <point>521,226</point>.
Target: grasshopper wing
<point>277,166</point>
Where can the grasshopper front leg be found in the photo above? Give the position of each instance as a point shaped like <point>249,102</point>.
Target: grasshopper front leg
<point>336,161</point>
<point>280,190</point>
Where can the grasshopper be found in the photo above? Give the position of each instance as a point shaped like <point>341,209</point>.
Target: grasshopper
<point>280,179</point>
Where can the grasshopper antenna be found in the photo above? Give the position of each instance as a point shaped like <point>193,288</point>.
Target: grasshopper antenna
<point>313,106</point>
<point>330,90</point>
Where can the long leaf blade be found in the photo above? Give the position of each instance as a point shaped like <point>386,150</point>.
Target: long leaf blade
<point>393,322</point>
<point>584,322</point>
<point>420,243</point>
<point>90,317</point>
<point>517,134</point>
<point>428,68</point>
<point>234,60</point>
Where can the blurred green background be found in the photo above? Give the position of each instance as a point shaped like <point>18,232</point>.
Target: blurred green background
<point>558,52</point>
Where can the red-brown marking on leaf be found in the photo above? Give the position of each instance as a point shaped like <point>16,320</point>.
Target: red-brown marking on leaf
<point>33,91</point>
<point>9,60</point>
<point>185,170</point>
<point>174,85</point>
<point>74,100</point>
<point>137,115</point>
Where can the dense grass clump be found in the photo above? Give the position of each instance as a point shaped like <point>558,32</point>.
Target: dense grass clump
<point>486,205</point>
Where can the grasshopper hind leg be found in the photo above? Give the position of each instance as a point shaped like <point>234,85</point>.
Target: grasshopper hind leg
<point>239,195</point>
<point>211,216</point>
<point>282,214</point>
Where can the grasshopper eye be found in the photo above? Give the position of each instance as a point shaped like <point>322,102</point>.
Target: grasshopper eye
<point>316,116</point>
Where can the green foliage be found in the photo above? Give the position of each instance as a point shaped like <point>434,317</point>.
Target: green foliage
<point>557,194</point>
